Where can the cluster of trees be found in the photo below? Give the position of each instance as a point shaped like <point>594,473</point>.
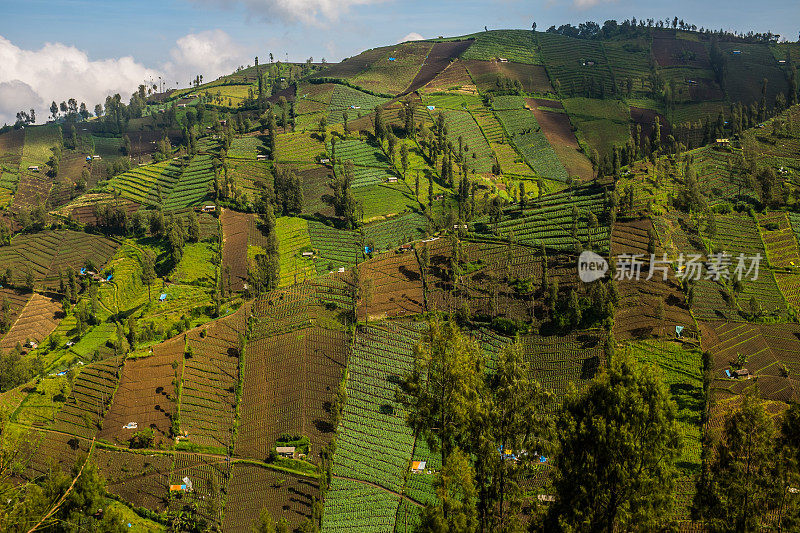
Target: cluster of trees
<point>633,28</point>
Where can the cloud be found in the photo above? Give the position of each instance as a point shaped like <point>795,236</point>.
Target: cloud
<point>57,72</point>
<point>413,36</point>
<point>313,12</point>
<point>211,53</point>
<point>586,4</point>
<point>34,78</point>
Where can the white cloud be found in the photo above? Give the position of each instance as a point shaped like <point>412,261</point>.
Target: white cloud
<point>313,12</point>
<point>413,36</point>
<point>57,72</point>
<point>34,78</point>
<point>210,53</point>
<point>586,4</point>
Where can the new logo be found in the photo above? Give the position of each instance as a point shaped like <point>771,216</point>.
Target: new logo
<point>591,266</point>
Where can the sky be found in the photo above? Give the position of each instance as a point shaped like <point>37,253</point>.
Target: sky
<point>54,50</point>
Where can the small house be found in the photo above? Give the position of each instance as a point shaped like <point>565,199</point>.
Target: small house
<point>392,179</point>
<point>210,208</point>
<point>438,197</point>
<point>341,269</point>
<point>546,498</point>
<point>131,425</point>
<point>285,451</point>
<point>162,297</point>
<point>160,110</point>
<point>406,247</point>
<point>325,161</point>
<point>723,142</point>
<point>418,467</point>
<point>261,157</point>
<point>736,52</point>
<point>177,488</point>
<point>742,373</point>
<point>34,168</point>
<point>782,61</point>
<point>182,106</point>
<point>307,253</point>
<point>97,157</point>
<point>502,59</point>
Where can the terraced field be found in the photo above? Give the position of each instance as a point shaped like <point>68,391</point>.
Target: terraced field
<point>577,66</point>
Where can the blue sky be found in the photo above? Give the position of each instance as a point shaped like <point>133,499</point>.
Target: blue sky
<point>85,49</point>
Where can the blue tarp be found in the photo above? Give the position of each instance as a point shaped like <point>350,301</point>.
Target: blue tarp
<point>367,250</point>
<point>392,59</point>
<point>728,373</point>
<point>83,270</point>
<point>163,297</point>
<point>678,330</point>
<point>431,107</point>
<point>109,277</point>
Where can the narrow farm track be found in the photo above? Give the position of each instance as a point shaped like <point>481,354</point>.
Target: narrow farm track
<point>384,489</point>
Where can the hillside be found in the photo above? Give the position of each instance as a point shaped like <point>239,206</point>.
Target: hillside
<point>251,264</point>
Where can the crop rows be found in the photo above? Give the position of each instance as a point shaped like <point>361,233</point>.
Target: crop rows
<point>91,396</point>
<point>393,72</point>
<point>550,222</point>
<point>209,478</point>
<point>355,507</point>
<point>334,248</point>
<point>210,375</point>
<point>531,142</point>
<point>370,164</point>
<point>136,183</point>
<point>557,361</point>
<point>389,234</point>
<point>573,62</point>
<point>297,148</point>
<point>292,235</point>
<point>193,185</point>
<point>478,154</point>
<point>141,480</point>
<point>352,101</point>
<point>514,45</point>
<point>374,442</point>
<point>779,240</point>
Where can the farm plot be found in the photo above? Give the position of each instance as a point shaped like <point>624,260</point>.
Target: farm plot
<point>391,233</point>
<point>210,375</point>
<point>313,97</point>
<point>37,319</point>
<point>454,78</point>
<point>385,200</point>
<point>487,75</point>
<point>396,286</point>
<point>550,221</point>
<point>770,352</point>
<point>146,395</point>
<point>478,154</point>
<point>603,124</point>
<point>491,127</point>
<point>141,480</point>
<point>671,52</point>
<point>352,101</point>
<point>647,307</point>
<point>334,248</point>
<point>630,60</point>
<point>577,66</point>
<point>779,240</point>
<point>558,131</point>
<point>234,247</point>
<point>289,384</point>
<point>356,507</point>
<point>558,361</point>
<point>194,184</point>
<point>246,174</point>
<point>41,402</point>
<point>293,239</point>
<point>51,451</point>
<point>83,209</point>
<point>371,167</point>
<point>748,68</point>
<point>135,184</point>
<point>738,234</point>
<point>531,142</point>
<point>317,191</point>
<point>246,148</point>
<point>209,478</point>
<point>91,396</point>
<point>394,72</point>
<point>353,65</point>
<point>514,45</point>
<point>10,156</point>
<point>682,371</point>
<point>646,119</point>
<point>47,252</point>
<point>13,301</point>
<point>252,488</point>
<point>299,148</point>
<point>374,444</point>
<point>438,59</point>
<point>789,285</point>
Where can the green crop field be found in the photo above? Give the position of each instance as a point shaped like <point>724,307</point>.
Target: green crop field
<point>603,124</point>
<point>293,237</point>
<point>462,126</point>
<point>577,67</point>
<point>514,45</point>
<point>393,72</point>
<point>353,102</point>
<point>523,130</point>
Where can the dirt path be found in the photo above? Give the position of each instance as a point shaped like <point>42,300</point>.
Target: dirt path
<point>384,489</point>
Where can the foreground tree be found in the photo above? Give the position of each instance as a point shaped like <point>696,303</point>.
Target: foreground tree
<point>742,486</point>
<point>618,442</point>
<point>454,509</point>
<point>442,393</point>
